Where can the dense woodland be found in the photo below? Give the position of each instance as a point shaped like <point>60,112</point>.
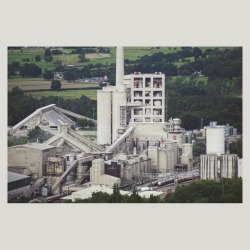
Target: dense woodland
<point>208,87</point>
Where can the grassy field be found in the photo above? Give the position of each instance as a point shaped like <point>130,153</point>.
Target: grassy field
<point>25,83</point>
<point>131,53</point>
<point>68,94</point>
<point>39,83</point>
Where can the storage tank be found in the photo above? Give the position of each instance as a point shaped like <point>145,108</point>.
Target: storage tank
<point>166,159</point>
<point>118,113</point>
<point>104,117</point>
<point>119,66</point>
<point>153,155</point>
<point>80,170</point>
<point>209,167</point>
<point>228,166</point>
<point>215,140</point>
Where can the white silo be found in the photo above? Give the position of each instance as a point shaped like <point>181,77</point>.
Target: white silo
<point>118,113</point>
<point>153,155</point>
<point>104,117</point>
<point>119,66</point>
<point>187,155</point>
<point>209,167</point>
<point>228,165</point>
<point>215,140</point>
<point>166,157</point>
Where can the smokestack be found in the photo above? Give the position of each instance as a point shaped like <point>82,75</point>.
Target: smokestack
<point>119,66</point>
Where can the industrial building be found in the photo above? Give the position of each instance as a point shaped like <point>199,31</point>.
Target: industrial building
<point>87,191</point>
<point>98,176</point>
<point>134,140</point>
<point>216,163</point>
<point>48,118</point>
<point>31,157</point>
<point>17,184</point>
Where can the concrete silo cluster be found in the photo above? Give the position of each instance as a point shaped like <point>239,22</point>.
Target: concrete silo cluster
<point>131,120</point>
<point>216,163</point>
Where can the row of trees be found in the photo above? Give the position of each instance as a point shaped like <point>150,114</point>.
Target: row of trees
<point>212,62</point>
<point>218,99</point>
<point>208,191</point>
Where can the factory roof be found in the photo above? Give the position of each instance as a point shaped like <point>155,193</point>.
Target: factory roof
<point>50,112</point>
<point>146,194</point>
<point>15,177</point>
<point>39,146</point>
<point>87,192</point>
<point>77,140</point>
<point>20,170</point>
<point>58,118</point>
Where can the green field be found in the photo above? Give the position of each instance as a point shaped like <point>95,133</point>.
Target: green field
<point>131,53</point>
<point>67,94</point>
<point>39,83</point>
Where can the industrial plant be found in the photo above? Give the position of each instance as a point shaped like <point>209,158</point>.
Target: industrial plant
<point>136,146</point>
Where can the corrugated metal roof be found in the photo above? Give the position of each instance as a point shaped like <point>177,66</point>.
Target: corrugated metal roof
<point>57,118</point>
<point>15,177</point>
<point>40,146</point>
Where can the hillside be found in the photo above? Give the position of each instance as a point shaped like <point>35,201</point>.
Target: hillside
<point>201,82</point>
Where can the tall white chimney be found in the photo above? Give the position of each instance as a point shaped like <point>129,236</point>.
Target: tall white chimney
<point>119,66</point>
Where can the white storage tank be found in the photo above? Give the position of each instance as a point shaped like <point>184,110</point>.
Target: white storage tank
<point>215,140</point>
<point>104,117</point>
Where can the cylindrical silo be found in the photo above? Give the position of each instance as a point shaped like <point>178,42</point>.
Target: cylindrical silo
<point>228,166</point>
<point>162,160</point>
<point>118,113</point>
<point>119,66</point>
<point>209,167</point>
<point>104,117</point>
<point>215,140</point>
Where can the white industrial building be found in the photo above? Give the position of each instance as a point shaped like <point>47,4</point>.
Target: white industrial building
<point>131,128</point>
<point>136,99</point>
<point>131,119</point>
<point>216,164</point>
